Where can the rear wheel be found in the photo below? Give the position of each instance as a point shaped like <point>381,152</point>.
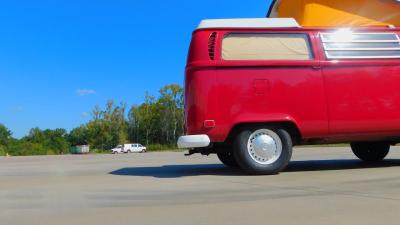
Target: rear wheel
<point>263,150</point>
<point>370,151</point>
<point>227,158</point>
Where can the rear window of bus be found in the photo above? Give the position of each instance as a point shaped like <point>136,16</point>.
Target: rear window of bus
<point>266,46</point>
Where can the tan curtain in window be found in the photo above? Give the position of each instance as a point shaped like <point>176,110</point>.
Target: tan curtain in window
<point>265,47</point>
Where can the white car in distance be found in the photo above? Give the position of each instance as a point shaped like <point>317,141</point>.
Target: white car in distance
<point>117,150</point>
<point>129,148</point>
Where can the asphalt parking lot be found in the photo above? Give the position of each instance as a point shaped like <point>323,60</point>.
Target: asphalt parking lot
<point>320,186</point>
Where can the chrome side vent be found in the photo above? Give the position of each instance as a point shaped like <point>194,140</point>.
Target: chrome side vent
<point>345,44</point>
<point>211,45</point>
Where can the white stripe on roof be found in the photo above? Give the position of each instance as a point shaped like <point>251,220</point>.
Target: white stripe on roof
<point>250,23</point>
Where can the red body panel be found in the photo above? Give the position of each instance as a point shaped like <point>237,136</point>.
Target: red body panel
<point>325,99</point>
<point>363,98</point>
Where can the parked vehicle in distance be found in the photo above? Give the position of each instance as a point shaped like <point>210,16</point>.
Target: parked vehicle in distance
<point>80,149</point>
<point>254,88</point>
<point>118,149</point>
<point>130,148</point>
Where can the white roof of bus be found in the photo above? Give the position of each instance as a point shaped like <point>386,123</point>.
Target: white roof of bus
<point>250,23</point>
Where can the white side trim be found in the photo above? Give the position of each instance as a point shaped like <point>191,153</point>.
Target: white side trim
<point>250,23</point>
<point>193,141</point>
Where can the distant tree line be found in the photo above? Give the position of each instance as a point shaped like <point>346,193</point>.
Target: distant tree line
<point>156,123</point>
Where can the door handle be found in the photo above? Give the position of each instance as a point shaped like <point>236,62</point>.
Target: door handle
<point>316,67</point>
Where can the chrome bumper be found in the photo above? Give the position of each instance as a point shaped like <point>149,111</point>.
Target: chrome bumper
<point>193,141</point>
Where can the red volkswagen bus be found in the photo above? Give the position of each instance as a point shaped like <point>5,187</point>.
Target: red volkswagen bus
<point>254,88</point>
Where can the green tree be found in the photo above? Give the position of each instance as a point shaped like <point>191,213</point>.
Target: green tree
<point>53,141</point>
<point>23,147</point>
<point>158,120</point>
<point>108,127</point>
<point>5,135</point>
<point>171,100</point>
<point>134,124</point>
<point>79,136</point>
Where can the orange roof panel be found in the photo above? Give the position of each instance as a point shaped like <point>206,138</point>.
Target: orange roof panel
<point>339,13</point>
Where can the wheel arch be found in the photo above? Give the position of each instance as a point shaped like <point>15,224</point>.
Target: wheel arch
<point>289,126</point>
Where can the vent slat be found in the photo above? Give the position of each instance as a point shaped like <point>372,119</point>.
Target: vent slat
<point>345,44</point>
<point>211,45</point>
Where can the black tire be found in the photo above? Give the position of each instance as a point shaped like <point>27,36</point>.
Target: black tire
<point>250,165</point>
<point>227,158</point>
<point>370,151</point>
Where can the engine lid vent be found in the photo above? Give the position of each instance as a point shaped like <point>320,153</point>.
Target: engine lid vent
<point>211,45</point>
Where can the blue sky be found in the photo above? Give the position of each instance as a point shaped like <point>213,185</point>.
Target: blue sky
<point>58,59</point>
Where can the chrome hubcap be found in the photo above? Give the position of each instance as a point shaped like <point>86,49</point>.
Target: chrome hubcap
<point>264,146</point>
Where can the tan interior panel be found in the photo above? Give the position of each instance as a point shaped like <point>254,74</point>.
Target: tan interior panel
<point>266,47</point>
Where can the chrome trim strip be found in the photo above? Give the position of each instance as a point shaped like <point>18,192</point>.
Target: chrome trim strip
<point>324,39</point>
<point>362,57</point>
<point>358,49</point>
<point>362,49</point>
<point>369,41</point>
<point>329,50</point>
